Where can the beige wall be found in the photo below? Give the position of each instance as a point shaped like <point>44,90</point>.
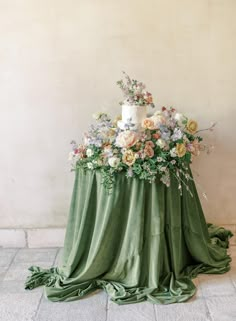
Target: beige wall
<point>59,61</point>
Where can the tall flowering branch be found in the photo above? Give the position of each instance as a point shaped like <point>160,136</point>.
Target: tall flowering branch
<point>134,92</point>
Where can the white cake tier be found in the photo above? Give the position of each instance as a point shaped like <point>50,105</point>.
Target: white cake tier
<point>132,114</point>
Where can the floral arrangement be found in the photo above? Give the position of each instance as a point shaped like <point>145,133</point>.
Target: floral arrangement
<point>167,143</point>
<point>134,92</point>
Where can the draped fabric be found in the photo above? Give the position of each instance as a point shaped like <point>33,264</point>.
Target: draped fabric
<point>143,241</point>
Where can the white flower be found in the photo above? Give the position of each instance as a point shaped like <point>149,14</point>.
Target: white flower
<point>90,165</point>
<point>179,118</point>
<point>89,152</point>
<point>161,143</point>
<point>114,161</point>
<point>173,161</point>
<point>71,156</point>
<point>173,152</point>
<point>163,169</point>
<point>159,159</point>
<point>99,115</point>
<point>157,113</point>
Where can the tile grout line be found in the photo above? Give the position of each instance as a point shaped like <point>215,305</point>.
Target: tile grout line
<point>26,239</point>
<point>208,313</point>
<point>41,298</point>
<point>107,303</point>
<point>155,315</point>
<point>10,264</point>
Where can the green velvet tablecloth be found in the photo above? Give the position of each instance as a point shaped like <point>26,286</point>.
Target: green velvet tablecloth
<point>142,242</point>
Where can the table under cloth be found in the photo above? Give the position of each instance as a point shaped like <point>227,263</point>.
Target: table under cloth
<point>143,241</point>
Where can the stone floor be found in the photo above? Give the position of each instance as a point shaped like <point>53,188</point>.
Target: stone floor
<point>215,299</point>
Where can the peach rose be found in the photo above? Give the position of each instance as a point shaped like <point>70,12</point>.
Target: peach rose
<point>192,126</point>
<point>149,152</point>
<point>129,157</point>
<point>149,143</point>
<point>180,150</point>
<point>149,99</point>
<point>148,123</point>
<point>127,139</point>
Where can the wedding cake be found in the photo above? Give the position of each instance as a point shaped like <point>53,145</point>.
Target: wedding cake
<point>135,103</point>
<point>132,116</point>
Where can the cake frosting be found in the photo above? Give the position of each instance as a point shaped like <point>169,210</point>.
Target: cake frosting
<point>132,115</point>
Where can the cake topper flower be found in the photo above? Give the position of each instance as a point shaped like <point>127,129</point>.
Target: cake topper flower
<point>135,92</point>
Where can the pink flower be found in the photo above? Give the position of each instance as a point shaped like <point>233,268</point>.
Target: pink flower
<point>194,147</point>
<point>126,139</point>
<point>150,143</point>
<point>149,152</point>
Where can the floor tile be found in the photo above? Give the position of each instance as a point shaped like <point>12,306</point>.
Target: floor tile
<point>6,256</point>
<point>91,308</point>
<point>3,272</point>
<point>17,286</point>
<point>216,284</point>
<point>222,308</point>
<point>143,311</point>
<point>36,255</point>
<point>20,271</point>
<point>194,310</point>
<point>18,306</point>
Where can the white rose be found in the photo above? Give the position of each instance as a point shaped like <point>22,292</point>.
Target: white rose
<point>90,165</point>
<point>89,152</point>
<point>114,161</point>
<point>161,143</point>
<point>179,118</point>
<point>173,152</point>
<point>158,120</point>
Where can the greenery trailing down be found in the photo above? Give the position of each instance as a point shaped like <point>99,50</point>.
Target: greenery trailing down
<point>166,143</point>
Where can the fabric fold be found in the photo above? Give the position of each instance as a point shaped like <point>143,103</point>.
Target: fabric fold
<point>141,242</point>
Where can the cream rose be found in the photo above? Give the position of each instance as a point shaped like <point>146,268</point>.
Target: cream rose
<point>161,143</point>
<point>180,150</point>
<point>126,139</point>
<point>179,118</point>
<point>129,157</point>
<point>192,126</point>
<point>158,120</point>
<point>148,123</point>
<point>114,161</point>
